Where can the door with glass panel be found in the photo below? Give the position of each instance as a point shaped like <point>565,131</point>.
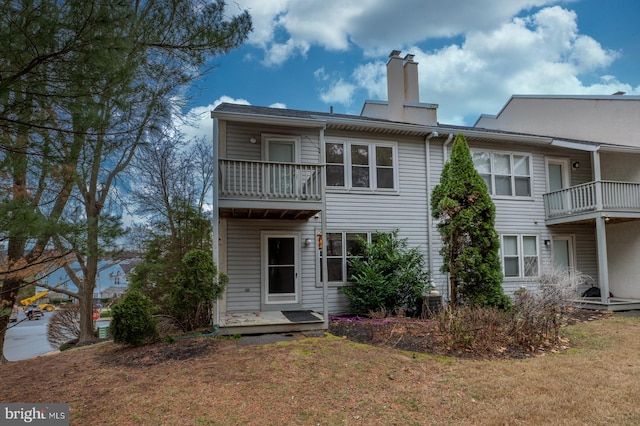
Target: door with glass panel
<point>280,268</point>
<point>281,156</point>
<point>563,253</point>
<point>558,179</point>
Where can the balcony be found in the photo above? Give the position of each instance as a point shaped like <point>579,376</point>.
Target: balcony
<point>269,190</point>
<point>616,200</point>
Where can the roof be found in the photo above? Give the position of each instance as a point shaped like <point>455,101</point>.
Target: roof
<point>269,115</point>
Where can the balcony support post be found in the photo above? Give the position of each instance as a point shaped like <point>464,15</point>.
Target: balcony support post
<point>603,268</point>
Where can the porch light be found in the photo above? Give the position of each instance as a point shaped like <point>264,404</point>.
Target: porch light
<point>575,165</point>
<point>547,243</point>
<point>307,242</point>
<point>253,140</point>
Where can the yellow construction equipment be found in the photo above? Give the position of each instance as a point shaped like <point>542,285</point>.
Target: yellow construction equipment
<point>30,300</point>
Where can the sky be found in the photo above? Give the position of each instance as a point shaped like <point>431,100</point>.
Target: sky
<point>472,54</point>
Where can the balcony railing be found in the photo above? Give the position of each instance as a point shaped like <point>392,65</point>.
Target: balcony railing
<point>262,180</point>
<point>593,196</point>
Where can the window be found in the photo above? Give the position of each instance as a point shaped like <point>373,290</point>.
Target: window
<point>505,174</point>
<point>361,165</point>
<point>341,247</point>
<point>520,255</point>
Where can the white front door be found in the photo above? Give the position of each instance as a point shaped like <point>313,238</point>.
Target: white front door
<point>562,251</point>
<point>557,179</point>
<point>280,270</point>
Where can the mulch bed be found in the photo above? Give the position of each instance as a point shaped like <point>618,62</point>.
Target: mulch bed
<point>424,336</point>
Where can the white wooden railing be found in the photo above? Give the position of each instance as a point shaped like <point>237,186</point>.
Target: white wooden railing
<point>270,180</point>
<point>593,196</point>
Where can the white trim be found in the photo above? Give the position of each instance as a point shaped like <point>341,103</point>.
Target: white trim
<point>372,144</point>
<point>370,233</point>
<point>571,244</point>
<point>268,137</point>
<point>566,173</point>
<point>512,175</point>
<point>286,298</point>
<point>521,255</point>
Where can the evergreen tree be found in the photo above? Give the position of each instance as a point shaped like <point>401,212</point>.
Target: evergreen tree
<point>466,215</point>
<point>83,85</point>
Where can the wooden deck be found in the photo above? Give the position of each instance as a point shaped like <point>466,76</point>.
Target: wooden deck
<point>232,323</point>
<point>615,304</point>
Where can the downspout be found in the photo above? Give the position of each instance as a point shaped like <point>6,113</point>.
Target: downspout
<point>445,152</point>
<point>323,232</point>
<point>427,163</point>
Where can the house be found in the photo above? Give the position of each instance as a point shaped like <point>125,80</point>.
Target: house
<point>112,278</point>
<point>296,189</point>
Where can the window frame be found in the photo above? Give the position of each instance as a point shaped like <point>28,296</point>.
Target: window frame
<point>521,256</point>
<point>373,166</point>
<point>344,256</point>
<point>513,175</point>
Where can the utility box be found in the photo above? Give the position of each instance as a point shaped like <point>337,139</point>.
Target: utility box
<point>103,332</point>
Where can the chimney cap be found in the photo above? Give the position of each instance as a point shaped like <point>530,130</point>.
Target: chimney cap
<point>394,53</point>
<point>409,57</point>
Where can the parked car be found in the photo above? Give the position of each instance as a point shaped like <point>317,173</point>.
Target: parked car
<point>34,312</point>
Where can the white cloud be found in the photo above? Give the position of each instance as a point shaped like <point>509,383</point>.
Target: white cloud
<point>494,50</point>
<point>542,53</point>
<point>340,92</point>
<point>197,122</point>
<point>284,28</point>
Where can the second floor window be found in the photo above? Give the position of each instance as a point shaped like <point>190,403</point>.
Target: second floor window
<point>505,174</point>
<point>360,164</point>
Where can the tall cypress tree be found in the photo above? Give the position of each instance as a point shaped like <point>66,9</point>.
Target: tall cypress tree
<point>466,221</point>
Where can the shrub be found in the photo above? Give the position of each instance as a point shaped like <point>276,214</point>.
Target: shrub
<point>64,326</point>
<point>474,328</point>
<point>196,287</point>
<point>132,320</point>
<point>388,277</point>
<point>466,221</point>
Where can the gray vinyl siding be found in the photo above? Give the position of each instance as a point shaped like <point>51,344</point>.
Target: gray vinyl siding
<point>239,146</point>
<point>407,210</point>
<point>244,262</point>
<point>526,216</point>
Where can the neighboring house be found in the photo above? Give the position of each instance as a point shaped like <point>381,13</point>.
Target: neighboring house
<point>112,278</point>
<point>611,119</point>
<point>291,179</point>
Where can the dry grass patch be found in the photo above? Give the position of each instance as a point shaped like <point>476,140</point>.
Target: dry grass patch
<point>333,381</point>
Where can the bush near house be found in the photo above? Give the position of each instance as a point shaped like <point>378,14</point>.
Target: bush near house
<point>388,277</point>
<point>132,320</point>
<point>196,286</point>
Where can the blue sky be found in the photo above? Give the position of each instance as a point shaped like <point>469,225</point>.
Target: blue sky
<point>473,54</point>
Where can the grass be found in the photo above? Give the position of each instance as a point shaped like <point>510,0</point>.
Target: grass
<point>332,381</point>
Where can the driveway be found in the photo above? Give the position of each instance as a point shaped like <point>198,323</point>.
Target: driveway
<point>27,339</point>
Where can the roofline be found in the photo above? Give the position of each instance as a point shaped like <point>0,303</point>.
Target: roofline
<point>268,119</point>
<point>576,97</point>
<point>327,121</point>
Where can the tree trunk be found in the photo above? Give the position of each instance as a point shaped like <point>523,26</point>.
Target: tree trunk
<point>90,274</point>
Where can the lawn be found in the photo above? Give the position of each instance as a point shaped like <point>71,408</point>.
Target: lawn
<point>333,381</point>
